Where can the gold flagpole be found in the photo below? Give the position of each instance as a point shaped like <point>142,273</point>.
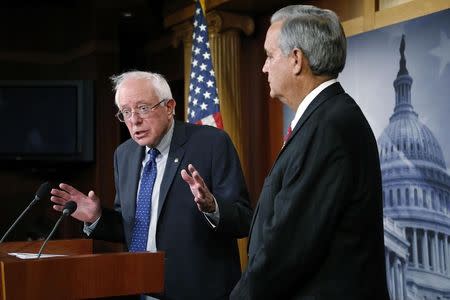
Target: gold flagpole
<point>203,4</point>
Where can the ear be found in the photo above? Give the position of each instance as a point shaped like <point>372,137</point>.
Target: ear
<point>297,59</point>
<point>171,106</point>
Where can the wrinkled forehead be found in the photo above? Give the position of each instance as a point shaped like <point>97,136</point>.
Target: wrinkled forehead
<point>272,36</point>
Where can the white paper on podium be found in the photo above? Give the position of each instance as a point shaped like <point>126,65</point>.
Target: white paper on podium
<point>32,255</point>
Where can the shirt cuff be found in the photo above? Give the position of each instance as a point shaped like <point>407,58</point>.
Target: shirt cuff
<point>89,228</point>
<point>214,217</point>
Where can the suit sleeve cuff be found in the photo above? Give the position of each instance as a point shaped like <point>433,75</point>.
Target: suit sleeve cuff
<point>89,228</point>
<point>214,217</point>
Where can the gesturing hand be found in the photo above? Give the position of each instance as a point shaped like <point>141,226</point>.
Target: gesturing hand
<point>88,207</point>
<point>202,196</point>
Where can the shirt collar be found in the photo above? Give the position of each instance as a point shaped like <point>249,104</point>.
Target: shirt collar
<point>164,144</point>
<point>308,99</point>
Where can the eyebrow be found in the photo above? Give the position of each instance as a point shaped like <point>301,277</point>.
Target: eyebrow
<point>139,103</point>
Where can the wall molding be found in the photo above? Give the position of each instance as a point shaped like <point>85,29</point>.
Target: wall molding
<point>373,19</point>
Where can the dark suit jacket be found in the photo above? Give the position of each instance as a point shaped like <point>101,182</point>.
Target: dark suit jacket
<point>201,262</point>
<point>317,232</point>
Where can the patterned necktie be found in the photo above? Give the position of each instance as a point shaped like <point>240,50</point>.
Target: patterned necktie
<point>144,204</point>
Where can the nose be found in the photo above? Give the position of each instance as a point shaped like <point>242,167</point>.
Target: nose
<point>264,68</point>
<point>135,118</point>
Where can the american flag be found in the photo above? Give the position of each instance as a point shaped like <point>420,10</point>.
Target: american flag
<point>203,98</point>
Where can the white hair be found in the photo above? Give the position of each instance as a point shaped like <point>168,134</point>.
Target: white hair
<point>158,82</point>
<point>317,33</point>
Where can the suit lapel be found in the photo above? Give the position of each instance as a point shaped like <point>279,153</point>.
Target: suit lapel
<point>134,170</point>
<point>255,213</point>
<point>176,154</point>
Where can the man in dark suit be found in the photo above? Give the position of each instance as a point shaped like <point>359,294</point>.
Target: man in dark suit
<point>317,231</point>
<point>198,237</point>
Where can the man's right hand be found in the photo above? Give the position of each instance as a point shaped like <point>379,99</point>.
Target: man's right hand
<point>88,207</point>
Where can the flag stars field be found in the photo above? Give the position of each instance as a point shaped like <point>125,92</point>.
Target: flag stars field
<point>203,100</point>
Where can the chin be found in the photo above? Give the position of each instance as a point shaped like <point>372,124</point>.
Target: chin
<point>275,96</point>
<point>142,142</point>
<point>272,94</point>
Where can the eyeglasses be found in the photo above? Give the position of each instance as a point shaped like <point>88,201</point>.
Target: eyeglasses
<point>142,111</point>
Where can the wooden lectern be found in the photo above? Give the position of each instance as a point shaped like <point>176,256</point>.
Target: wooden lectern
<point>83,273</point>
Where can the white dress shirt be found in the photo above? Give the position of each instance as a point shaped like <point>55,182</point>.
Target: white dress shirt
<point>161,160</point>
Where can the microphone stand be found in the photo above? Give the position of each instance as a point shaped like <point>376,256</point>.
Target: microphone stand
<point>50,235</point>
<point>42,192</point>
<point>19,218</point>
<point>69,208</point>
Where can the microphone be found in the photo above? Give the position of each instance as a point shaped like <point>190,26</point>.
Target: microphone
<point>42,192</point>
<point>69,208</point>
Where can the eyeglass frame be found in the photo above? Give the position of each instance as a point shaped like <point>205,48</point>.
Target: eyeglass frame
<point>132,111</point>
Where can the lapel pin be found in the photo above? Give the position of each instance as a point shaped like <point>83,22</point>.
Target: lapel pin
<point>175,160</point>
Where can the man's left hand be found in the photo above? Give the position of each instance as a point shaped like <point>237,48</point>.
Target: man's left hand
<point>202,196</point>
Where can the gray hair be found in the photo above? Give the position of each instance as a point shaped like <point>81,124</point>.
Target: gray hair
<point>317,33</point>
<point>158,82</point>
